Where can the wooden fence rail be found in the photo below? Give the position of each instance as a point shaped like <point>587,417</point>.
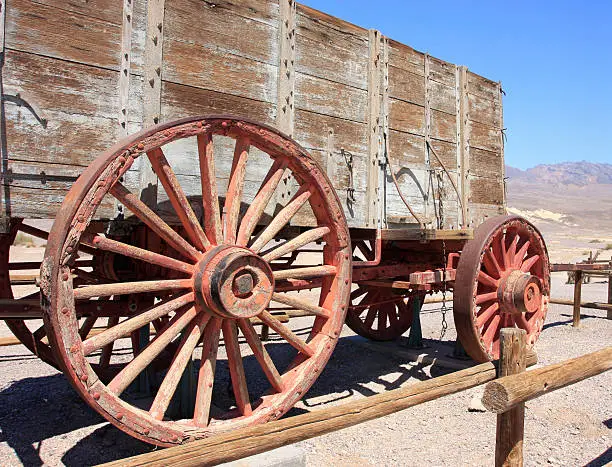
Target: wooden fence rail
<point>254,440</point>
<point>507,395</point>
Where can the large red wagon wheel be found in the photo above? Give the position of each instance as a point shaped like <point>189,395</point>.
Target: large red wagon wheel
<point>503,280</point>
<point>33,339</point>
<point>223,277</point>
<point>30,332</point>
<point>380,314</point>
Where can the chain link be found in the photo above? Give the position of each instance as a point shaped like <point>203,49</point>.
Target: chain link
<point>443,308</point>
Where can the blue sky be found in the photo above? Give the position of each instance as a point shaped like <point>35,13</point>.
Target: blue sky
<point>554,60</point>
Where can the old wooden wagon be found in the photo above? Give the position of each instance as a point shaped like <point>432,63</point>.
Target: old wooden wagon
<point>241,163</point>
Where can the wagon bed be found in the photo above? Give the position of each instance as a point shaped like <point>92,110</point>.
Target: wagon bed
<point>78,77</point>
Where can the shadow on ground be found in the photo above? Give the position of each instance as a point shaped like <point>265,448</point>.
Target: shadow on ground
<point>35,410</point>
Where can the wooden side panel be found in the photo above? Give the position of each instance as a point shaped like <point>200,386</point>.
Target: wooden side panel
<point>486,160</point>
<point>71,35</point>
<point>64,59</point>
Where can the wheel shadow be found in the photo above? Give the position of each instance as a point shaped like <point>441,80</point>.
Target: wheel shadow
<point>37,411</point>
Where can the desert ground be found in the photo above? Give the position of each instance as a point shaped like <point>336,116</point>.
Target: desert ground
<point>44,422</point>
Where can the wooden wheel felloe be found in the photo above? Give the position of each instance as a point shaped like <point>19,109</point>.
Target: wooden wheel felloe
<point>219,274</point>
<point>380,314</point>
<point>503,280</point>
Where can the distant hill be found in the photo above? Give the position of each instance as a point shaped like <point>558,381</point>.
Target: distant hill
<point>565,173</point>
<point>570,202</point>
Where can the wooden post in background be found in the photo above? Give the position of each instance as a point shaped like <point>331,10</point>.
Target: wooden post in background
<point>510,424</point>
<point>577,298</point>
<point>609,314</point>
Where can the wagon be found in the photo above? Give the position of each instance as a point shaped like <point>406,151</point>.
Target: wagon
<point>212,168</point>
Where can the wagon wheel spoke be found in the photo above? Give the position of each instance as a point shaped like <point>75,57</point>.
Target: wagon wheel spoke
<point>125,288</point>
<point>486,314</point>
<point>294,244</point>
<point>486,297</point>
<point>491,264</point>
<point>114,246</point>
<point>210,344</point>
<point>183,355</point>
<point>136,322</point>
<point>305,272</point>
<point>370,317</point>
<point>39,233</point>
<point>282,218</point>
<point>492,329</point>
<point>210,196</point>
<point>261,200</point>
<point>107,350</point>
<point>487,280</point>
<point>358,292</point>
<point>234,361</point>
<point>152,350</point>
<point>300,304</point>
<point>261,354</point>
<point>231,210</point>
<point>153,221</point>
<point>40,333</point>
<point>286,333</point>
<point>178,199</point>
<point>520,254</point>
<point>529,263</point>
<point>382,318</point>
<point>392,314</point>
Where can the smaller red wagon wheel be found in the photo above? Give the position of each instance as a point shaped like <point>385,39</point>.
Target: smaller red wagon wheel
<point>380,314</point>
<point>228,265</point>
<point>503,280</point>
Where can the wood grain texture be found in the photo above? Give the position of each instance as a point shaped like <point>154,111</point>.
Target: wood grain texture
<point>65,34</point>
<point>507,392</point>
<point>510,425</point>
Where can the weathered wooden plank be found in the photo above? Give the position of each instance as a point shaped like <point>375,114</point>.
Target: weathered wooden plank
<point>68,87</point>
<point>442,97</point>
<point>443,126</point>
<point>406,86</point>
<point>325,52</point>
<point>482,87</point>
<point>485,163</point>
<point>230,28</point>
<point>406,150</point>
<point>484,111</point>
<point>442,72</point>
<point>179,101</point>
<point>447,152</point>
<point>64,34</point>
<point>104,10</point>
<point>203,67</point>
<point>487,190</point>
<point>311,132</point>
<point>406,117</point>
<point>406,58</point>
<point>329,98</point>
<point>485,137</point>
<point>123,84</point>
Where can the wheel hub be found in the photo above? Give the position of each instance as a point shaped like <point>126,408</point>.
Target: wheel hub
<point>232,282</point>
<point>520,293</point>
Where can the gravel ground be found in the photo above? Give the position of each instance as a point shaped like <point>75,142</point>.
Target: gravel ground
<point>43,421</point>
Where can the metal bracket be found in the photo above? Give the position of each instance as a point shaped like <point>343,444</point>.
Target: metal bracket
<point>21,102</point>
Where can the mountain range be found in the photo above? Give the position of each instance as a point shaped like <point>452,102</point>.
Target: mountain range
<point>570,202</point>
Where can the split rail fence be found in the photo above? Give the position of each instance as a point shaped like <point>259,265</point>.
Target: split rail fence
<point>509,387</point>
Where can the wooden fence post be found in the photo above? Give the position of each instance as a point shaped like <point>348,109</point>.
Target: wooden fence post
<point>510,424</point>
<point>577,298</point>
